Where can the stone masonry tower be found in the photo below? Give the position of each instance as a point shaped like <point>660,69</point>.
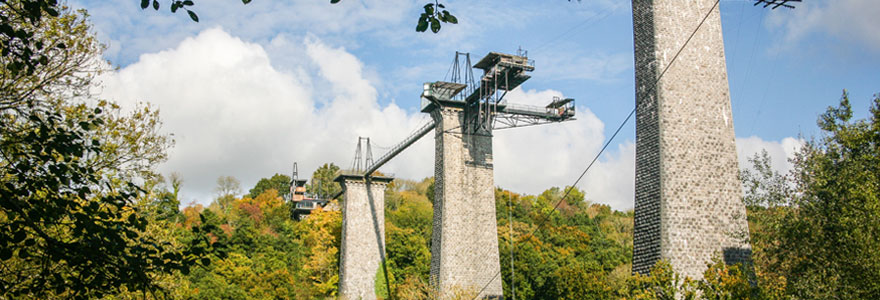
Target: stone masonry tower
<point>688,204</point>
<point>464,244</point>
<point>362,253</point>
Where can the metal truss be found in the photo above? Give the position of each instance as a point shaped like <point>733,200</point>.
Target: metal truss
<point>505,121</point>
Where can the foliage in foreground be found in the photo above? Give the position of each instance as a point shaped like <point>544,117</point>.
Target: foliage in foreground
<point>71,220</point>
<point>821,238</point>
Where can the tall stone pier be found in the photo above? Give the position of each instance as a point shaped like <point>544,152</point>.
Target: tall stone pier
<point>688,204</point>
<point>464,245</point>
<point>362,253</point>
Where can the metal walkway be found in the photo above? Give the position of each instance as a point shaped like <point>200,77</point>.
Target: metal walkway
<point>415,136</point>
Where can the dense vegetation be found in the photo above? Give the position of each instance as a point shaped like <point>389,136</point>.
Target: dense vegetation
<point>83,214</point>
<point>581,248</point>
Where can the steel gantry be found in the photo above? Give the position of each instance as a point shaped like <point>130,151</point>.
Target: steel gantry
<point>484,104</point>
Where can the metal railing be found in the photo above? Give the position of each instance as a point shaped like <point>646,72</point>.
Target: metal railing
<point>529,109</point>
<point>415,136</point>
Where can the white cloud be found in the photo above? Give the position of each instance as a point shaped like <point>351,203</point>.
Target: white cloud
<point>233,113</point>
<point>532,159</point>
<point>780,151</point>
<point>853,20</point>
<point>612,179</point>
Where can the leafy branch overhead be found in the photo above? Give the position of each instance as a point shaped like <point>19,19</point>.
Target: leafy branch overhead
<point>433,15</point>
<point>177,4</point>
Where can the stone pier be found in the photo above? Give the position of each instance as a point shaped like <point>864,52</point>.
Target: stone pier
<point>464,245</point>
<point>362,254</point>
<point>688,205</point>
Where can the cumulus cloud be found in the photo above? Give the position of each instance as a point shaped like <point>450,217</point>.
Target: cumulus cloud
<point>233,113</point>
<point>853,20</point>
<point>780,151</point>
<point>531,159</point>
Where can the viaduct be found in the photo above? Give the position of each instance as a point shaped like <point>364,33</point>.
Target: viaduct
<point>688,204</point>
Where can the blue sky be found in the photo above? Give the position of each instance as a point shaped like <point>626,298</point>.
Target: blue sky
<point>250,89</point>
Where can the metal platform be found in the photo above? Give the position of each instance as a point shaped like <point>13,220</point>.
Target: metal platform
<point>484,108</point>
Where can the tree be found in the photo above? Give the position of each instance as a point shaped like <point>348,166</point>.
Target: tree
<point>69,222</point>
<point>227,188</point>
<point>769,197</point>
<point>322,183</point>
<point>830,242</point>
<point>324,230</point>
<point>22,48</point>
<point>176,181</point>
<point>765,187</point>
<point>164,204</point>
<point>662,284</point>
<point>278,182</point>
<point>725,282</point>
<point>574,199</point>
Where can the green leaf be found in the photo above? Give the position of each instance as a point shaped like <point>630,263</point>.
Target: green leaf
<point>206,261</point>
<point>18,236</point>
<point>174,7</point>
<point>334,1</point>
<point>145,4</point>
<point>429,8</point>
<point>132,218</point>
<point>245,1</point>
<point>155,5</point>
<point>5,253</point>
<point>423,24</point>
<point>193,16</point>
<point>190,3</point>
<point>449,18</point>
<point>435,25</point>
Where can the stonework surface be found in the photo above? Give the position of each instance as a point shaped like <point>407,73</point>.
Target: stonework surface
<point>362,252</point>
<point>688,205</point>
<point>464,245</point>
